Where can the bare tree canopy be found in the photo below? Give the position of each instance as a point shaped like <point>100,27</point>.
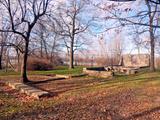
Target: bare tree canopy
<point>45,28</point>
<point>71,25</point>
<point>22,15</point>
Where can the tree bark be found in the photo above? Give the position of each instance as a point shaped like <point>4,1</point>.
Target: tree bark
<point>45,48</point>
<point>71,66</point>
<point>151,32</point>
<point>1,55</point>
<point>152,42</point>
<point>41,51</point>
<point>24,63</point>
<point>18,60</point>
<point>53,48</point>
<point>0,62</point>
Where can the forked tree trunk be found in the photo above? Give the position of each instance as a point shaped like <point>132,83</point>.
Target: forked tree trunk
<point>24,63</point>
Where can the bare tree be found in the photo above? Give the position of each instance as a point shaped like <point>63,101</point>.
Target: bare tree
<point>46,43</point>
<point>144,18</point>
<point>22,16</point>
<point>117,47</point>
<point>71,25</point>
<point>1,49</point>
<point>151,16</point>
<point>154,1</point>
<point>4,40</point>
<point>41,36</point>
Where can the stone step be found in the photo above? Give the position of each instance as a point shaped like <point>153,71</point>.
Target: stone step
<point>31,91</point>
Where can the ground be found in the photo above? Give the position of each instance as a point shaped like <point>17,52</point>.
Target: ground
<point>134,97</point>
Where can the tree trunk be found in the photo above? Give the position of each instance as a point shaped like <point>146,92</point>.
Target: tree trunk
<point>53,48</point>
<point>1,54</point>
<point>152,42</point>
<point>45,48</point>
<point>71,66</point>
<point>41,51</point>
<point>0,62</point>
<point>24,63</point>
<point>18,60</point>
<point>151,32</point>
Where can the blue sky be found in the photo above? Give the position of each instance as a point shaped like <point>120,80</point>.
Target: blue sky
<point>129,46</point>
<point>101,25</point>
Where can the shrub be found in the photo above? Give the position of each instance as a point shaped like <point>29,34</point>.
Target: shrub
<point>39,64</point>
<point>157,63</point>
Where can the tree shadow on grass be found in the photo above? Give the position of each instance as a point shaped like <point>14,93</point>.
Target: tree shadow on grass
<point>112,114</point>
<point>64,85</point>
<point>45,81</point>
<point>143,114</point>
<point>117,116</point>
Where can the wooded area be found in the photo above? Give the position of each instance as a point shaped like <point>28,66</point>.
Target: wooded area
<point>43,28</point>
<point>80,59</point>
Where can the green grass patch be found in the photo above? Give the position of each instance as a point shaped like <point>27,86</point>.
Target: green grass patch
<point>62,70</point>
<point>10,72</point>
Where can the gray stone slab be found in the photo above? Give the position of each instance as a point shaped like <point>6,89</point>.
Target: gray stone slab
<point>31,91</point>
<point>39,94</point>
<point>62,76</point>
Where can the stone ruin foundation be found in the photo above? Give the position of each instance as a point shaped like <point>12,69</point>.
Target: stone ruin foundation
<point>129,64</point>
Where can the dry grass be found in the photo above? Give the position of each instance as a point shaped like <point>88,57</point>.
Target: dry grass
<point>119,98</point>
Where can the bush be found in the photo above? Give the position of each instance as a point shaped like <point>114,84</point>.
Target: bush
<point>39,64</point>
<point>157,63</point>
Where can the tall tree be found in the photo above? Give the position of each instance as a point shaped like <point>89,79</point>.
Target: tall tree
<point>151,16</point>
<point>4,37</point>
<point>22,16</point>
<point>1,49</point>
<point>145,17</point>
<point>71,24</point>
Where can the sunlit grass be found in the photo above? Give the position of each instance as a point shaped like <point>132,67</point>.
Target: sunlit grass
<point>144,80</point>
<point>58,70</point>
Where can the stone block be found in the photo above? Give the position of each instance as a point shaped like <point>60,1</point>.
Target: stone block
<point>31,91</point>
<point>63,76</point>
<point>98,73</point>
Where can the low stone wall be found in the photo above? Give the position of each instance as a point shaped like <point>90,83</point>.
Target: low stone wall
<point>96,68</point>
<point>129,71</point>
<point>98,73</point>
<point>121,69</point>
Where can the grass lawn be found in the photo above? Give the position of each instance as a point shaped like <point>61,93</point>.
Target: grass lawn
<point>134,97</point>
<point>58,70</point>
